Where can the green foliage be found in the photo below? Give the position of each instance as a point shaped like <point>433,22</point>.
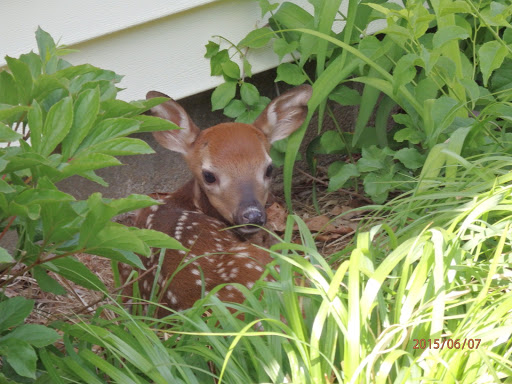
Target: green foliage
<point>57,121</point>
<point>446,66</point>
<point>441,277</point>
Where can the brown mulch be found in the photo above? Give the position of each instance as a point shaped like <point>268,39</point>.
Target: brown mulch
<point>332,228</point>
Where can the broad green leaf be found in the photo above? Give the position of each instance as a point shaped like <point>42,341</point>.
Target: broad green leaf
<point>85,111</point>
<point>97,218</point>
<point>266,6</point>
<point>34,63</point>
<point>121,146</point>
<point>340,173</point>
<point>88,162</point>
<point>344,95</point>
<point>249,93</point>
<point>10,112</point>
<point>23,77</point>
<point>35,334</point>
<point>283,47</point>
<point>57,125</point>
<point>153,123</point>
<point>330,143</point>
<point>35,123</point>
<point>491,55</point>
<point>211,49</point>
<point>77,272</point>
<point>405,71</point>
<point>157,239</point>
<point>109,129</point>
<point>20,356</point>
<point>113,235</point>
<point>410,157</point>
<point>257,38</point>
<point>131,203</point>
<point>247,67</point>
<point>13,311</point>
<point>7,135</point>
<point>39,195</point>
<point>5,256</point>
<point>235,108</point>
<point>45,44</point>
<point>216,62</point>
<point>378,186</point>
<point>223,94</point>
<point>5,187</point>
<point>411,135</point>
<point>290,74</point>
<point>231,69</point>
<point>449,33</point>
<point>47,283</point>
<point>8,89</point>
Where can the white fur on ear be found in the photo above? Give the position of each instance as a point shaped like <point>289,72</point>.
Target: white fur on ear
<point>285,114</point>
<point>178,140</point>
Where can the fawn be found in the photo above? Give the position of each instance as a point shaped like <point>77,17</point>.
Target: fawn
<point>232,172</point>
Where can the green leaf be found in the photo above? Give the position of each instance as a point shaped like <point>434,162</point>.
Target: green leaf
<point>121,146</point>
<point>47,283</point>
<point>211,49</point>
<point>216,62</point>
<point>491,56</point>
<point>45,44</point>
<point>247,67</point>
<point>117,236</point>
<point>77,272</point>
<point>290,74</point>
<point>96,219</point>
<point>344,95</point>
<point>5,187</point>
<point>11,112</point>
<point>223,94</point>
<point>231,69</point>
<point>282,47</point>
<point>249,93</point>
<point>34,63</point>
<point>157,239</point>
<point>57,125</point>
<point>235,108</point>
<point>378,186</point>
<point>257,38</point>
<point>7,135</point>
<point>8,89</point>
<point>88,162</point>
<point>449,33</point>
<point>405,71</point>
<point>20,356</point>
<point>35,123</point>
<point>23,77</point>
<point>85,111</point>
<point>410,157</point>
<point>411,135</point>
<point>339,173</point>
<point>13,311</point>
<point>109,129</point>
<point>131,203</point>
<point>5,256</point>
<point>266,7</point>
<point>330,143</point>
<point>36,335</point>
<point>39,195</point>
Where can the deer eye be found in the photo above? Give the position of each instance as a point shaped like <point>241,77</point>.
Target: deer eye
<point>209,177</point>
<point>268,172</point>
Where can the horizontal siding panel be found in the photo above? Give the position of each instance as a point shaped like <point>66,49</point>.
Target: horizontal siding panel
<point>76,21</point>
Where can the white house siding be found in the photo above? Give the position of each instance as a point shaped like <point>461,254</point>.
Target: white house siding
<point>155,44</point>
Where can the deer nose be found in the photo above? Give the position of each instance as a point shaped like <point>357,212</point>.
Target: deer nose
<point>253,215</point>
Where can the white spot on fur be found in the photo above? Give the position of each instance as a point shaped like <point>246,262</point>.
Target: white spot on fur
<point>250,284</point>
<point>199,282</point>
<point>154,208</point>
<point>195,272</point>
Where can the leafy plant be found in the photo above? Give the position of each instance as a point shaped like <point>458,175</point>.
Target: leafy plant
<point>59,120</point>
<point>445,66</point>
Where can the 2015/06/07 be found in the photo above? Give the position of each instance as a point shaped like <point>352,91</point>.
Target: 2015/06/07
<point>446,343</point>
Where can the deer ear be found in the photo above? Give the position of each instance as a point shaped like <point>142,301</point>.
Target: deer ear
<point>178,140</point>
<point>285,114</point>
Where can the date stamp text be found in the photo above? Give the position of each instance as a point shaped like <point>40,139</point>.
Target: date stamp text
<point>446,343</point>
